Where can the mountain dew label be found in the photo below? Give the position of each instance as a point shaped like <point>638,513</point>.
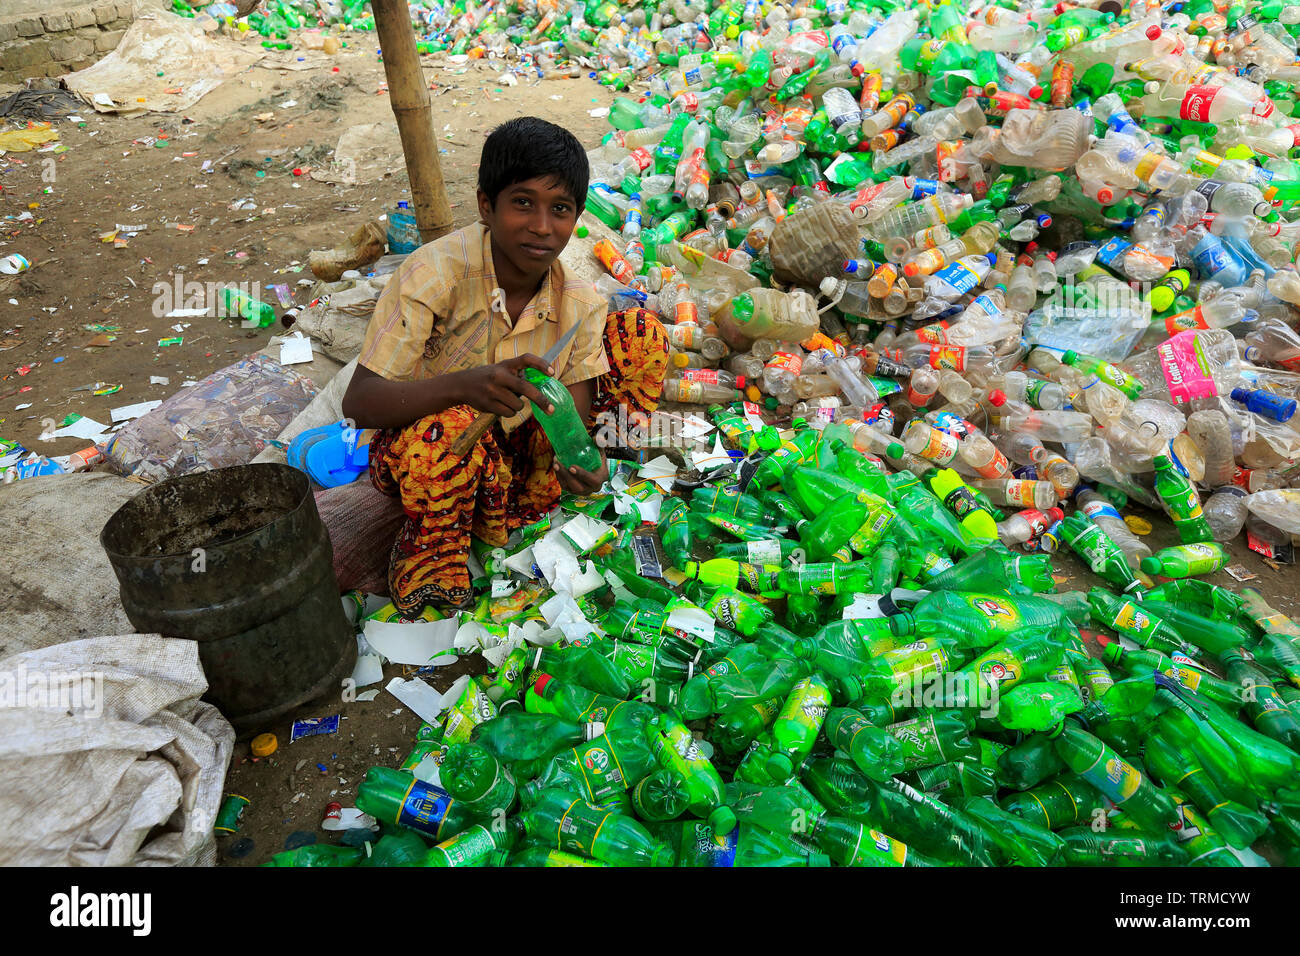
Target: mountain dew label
<point>1113,775</point>
<point>961,502</point>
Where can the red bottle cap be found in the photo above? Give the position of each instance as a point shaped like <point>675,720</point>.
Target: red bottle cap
<point>998,397</point>
<point>740,381</point>
<point>1154,32</point>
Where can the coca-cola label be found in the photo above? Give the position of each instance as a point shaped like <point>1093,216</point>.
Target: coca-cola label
<point>1196,103</point>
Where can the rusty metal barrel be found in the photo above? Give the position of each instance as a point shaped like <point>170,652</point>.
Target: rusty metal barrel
<point>238,560</point>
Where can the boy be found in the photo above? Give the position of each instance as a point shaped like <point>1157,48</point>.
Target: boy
<point>452,330</point>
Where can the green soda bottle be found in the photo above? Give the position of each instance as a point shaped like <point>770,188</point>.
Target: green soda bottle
<point>1238,824</point>
<point>677,750</point>
<point>233,303</point>
<point>550,695</point>
<point>1021,841</point>
<point>475,846</point>
<point>1085,848</point>
<point>803,613</point>
<point>1182,672</point>
<point>1211,635</point>
<point>538,856</point>
<point>734,574</point>
<point>783,509</point>
<point>1180,499</point>
<point>1123,783</point>
<point>877,753</point>
<point>660,797</point>
<point>737,726</point>
<point>785,810</point>
<point>1263,705</point>
<point>584,666</point>
<point>472,707</point>
<point>598,770</point>
<point>1102,555</point>
<point>515,737</point>
<point>978,620</point>
<point>833,526</point>
<point>728,501</point>
<point>926,513</point>
<point>744,529</point>
<point>401,848</point>
<point>1203,845</point>
<point>1037,706</point>
<point>318,854</point>
<point>1108,372</point>
<point>1266,618</point>
<point>856,467</point>
<point>826,578</point>
<point>1135,621</point>
<point>1186,560</point>
<point>699,845</point>
<point>477,780</point>
<point>744,674</point>
<point>733,609</point>
<point>558,820</point>
<point>849,843</point>
<point>795,729</point>
<point>1019,658</point>
<point>934,738</point>
<point>1210,599</point>
<point>898,674</point>
<point>815,489</point>
<point>621,563</point>
<point>566,432</point>
<point>1057,804</point>
<point>1029,762</point>
<point>391,796</point>
<point>765,551</point>
<point>675,532</point>
<point>978,526</point>
<point>926,824</point>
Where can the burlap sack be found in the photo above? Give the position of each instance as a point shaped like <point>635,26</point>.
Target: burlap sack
<point>813,243</point>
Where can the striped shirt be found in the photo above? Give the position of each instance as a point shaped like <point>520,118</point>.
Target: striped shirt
<point>442,312</point>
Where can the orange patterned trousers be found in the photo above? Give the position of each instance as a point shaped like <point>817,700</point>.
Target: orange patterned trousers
<point>504,482</point>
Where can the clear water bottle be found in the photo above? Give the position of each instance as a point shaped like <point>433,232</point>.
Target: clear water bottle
<point>1226,512</point>
<point>403,233</point>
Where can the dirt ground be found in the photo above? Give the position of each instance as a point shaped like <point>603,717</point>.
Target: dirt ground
<point>105,178</point>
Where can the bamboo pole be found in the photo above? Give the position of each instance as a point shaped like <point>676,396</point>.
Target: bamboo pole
<point>413,109</point>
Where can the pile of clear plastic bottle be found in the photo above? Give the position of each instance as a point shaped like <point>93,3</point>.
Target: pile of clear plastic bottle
<point>1068,293</point>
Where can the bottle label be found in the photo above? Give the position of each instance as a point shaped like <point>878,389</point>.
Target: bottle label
<point>1113,776</point>
<point>1186,369</point>
<point>996,467</point>
<point>888,851</point>
<point>764,552</point>
<point>464,848</point>
<point>960,276</point>
<point>1191,319</point>
<point>920,739</point>
<point>691,393</point>
<point>705,376</point>
<point>600,769</point>
<point>424,808</point>
<point>1131,620</point>
<point>1003,615</point>
<point>578,826</point>
<point>1113,252</point>
<point>952,357</point>
<point>785,362</point>
<point>1196,103</point>
<point>1033,389</point>
<point>1020,492</point>
<point>961,502</point>
<point>1100,508</point>
<point>941,447</point>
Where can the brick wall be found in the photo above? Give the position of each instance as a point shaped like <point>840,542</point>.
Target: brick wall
<point>51,44</point>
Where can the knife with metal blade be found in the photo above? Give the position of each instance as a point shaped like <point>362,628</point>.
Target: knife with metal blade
<point>485,420</point>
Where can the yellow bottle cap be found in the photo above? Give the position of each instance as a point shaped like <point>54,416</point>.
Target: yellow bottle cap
<point>1139,526</point>
<point>264,745</point>
<point>1161,298</point>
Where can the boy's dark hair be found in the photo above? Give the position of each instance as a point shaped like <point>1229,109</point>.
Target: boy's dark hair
<point>526,147</point>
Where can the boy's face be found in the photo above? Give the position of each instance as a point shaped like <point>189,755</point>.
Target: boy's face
<point>531,222</point>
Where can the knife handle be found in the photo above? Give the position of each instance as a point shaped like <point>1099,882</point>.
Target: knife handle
<point>470,436</point>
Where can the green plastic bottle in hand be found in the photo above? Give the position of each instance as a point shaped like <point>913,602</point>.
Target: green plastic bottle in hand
<point>1123,783</point>
<point>567,432</point>
<point>877,753</point>
<point>796,727</point>
<point>1180,499</point>
<point>575,826</point>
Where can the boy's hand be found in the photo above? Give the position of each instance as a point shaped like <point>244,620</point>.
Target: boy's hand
<point>578,482</point>
<point>500,389</point>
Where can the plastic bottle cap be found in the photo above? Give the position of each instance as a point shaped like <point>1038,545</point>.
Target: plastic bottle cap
<point>1035,92</point>
<point>263,745</point>
<point>895,450</point>
<point>829,286</point>
<point>1139,526</point>
<point>1154,32</point>
<point>998,397</point>
<point>1161,298</point>
<point>911,269</point>
<point>722,820</point>
<point>780,766</point>
<point>740,381</point>
<point>1150,564</point>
